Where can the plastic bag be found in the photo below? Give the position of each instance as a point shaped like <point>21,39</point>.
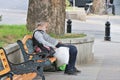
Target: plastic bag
<point>62,55</point>
<point>62,67</point>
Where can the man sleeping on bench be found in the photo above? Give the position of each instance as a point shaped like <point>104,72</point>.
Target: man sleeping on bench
<point>40,36</point>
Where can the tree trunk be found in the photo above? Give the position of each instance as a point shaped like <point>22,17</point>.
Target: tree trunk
<point>99,6</point>
<point>52,11</point>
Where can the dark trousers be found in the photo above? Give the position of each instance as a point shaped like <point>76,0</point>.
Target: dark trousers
<point>72,55</point>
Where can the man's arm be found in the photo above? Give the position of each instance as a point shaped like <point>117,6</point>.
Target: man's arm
<point>39,37</point>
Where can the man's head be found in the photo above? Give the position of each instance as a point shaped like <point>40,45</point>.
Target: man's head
<point>43,25</point>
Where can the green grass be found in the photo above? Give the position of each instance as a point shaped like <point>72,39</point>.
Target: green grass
<point>67,3</point>
<point>11,33</point>
<point>69,35</point>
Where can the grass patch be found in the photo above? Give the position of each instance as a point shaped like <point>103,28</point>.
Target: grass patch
<point>68,36</point>
<point>11,33</point>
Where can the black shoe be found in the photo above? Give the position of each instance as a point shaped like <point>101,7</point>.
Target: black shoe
<point>76,70</point>
<point>70,72</point>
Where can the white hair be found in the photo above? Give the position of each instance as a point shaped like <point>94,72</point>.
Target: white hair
<point>40,23</point>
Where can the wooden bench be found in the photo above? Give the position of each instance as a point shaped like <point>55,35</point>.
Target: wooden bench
<point>29,76</point>
<point>8,69</point>
<point>26,46</point>
<point>31,67</point>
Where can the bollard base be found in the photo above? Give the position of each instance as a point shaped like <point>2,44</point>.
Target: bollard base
<point>107,38</point>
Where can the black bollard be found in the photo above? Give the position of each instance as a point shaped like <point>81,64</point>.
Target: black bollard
<point>111,1</point>
<point>107,31</point>
<point>69,26</point>
<point>113,9</point>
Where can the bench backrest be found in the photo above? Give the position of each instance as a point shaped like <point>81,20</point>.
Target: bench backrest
<point>8,69</point>
<point>28,44</point>
<point>4,65</point>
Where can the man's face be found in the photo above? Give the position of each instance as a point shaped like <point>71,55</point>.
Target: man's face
<point>44,27</point>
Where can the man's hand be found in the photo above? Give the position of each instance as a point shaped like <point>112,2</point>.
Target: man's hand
<point>60,42</point>
<point>48,48</point>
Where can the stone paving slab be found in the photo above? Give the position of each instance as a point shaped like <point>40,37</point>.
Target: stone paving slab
<point>105,66</point>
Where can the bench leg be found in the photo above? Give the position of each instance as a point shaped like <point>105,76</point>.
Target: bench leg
<point>8,76</point>
<point>55,65</point>
<point>40,72</point>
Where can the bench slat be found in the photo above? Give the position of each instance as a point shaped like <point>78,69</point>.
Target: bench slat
<point>29,76</point>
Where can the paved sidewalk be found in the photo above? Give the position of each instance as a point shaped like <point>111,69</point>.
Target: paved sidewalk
<point>117,7</point>
<point>107,58</point>
<point>106,65</point>
<point>95,25</point>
